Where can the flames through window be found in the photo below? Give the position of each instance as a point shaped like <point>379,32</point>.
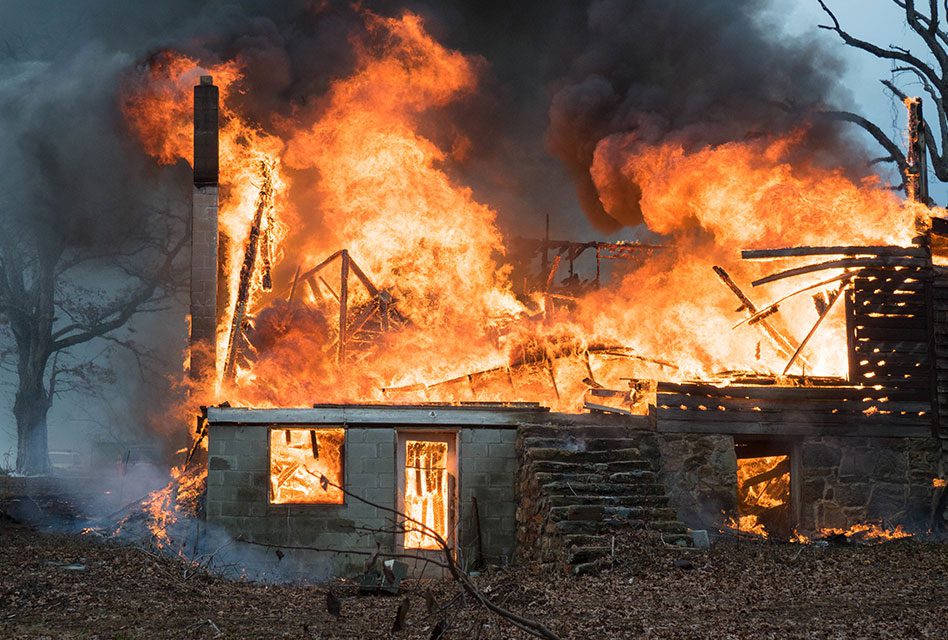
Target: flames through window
<point>299,459</point>
<point>427,496</point>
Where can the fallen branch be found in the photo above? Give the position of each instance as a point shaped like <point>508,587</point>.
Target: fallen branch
<point>528,625</point>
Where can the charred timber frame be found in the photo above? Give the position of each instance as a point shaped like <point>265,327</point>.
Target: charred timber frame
<point>571,251</point>
<point>783,344</point>
<point>891,342</point>
<point>382,305</point>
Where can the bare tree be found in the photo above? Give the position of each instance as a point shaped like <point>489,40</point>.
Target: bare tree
<point>927,68</point>
<point>47,311</point>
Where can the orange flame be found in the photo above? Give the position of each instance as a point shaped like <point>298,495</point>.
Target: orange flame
<point>383,193</point>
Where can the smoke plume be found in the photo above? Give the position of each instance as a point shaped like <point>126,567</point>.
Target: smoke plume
<point>699,73</point>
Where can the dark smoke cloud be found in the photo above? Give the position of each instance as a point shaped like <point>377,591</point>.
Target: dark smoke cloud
<point>702,73</point>
<point>558,77</point>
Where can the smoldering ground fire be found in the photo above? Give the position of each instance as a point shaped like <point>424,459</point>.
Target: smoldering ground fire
<point>407,352</point>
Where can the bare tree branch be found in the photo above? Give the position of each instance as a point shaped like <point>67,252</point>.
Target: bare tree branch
<point>122,311</point>
<point>895,153</point>
<point>892,53</point>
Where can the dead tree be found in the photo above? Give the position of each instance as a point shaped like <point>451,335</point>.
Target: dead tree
<point>47,308</point>
<point>926,25</point>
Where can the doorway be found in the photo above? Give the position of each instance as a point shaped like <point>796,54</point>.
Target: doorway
<point>427,489</point>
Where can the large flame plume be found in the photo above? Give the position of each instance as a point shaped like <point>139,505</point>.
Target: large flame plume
<point>382,190</point>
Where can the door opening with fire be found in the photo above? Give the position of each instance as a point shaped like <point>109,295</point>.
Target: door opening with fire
<point>427,473</point>
<point>764,488</point>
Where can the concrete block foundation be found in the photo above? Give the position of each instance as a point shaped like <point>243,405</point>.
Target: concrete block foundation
<point>239,502</point>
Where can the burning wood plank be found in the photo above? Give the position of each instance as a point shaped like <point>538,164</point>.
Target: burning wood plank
<point>829,306</point>
<point>249,267</point>
<point>845,263</point>
<point>849,250</point>
<point>783,344</point>
<point>773,307</point>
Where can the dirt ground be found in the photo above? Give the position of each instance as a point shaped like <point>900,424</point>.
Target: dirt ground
<point>73,586</point>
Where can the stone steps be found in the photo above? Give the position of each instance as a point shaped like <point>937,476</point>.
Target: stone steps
<point>567,455</point>
<point>591,477</point>
<point>640,512</point>
<point>650,501</point>
<point>555,466</point>
<point>581,444</point>
<point>579,484</point>
<point>575,431</point>
<point>607,488</point>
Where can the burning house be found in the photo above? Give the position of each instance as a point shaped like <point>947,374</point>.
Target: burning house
<point>393,379</point>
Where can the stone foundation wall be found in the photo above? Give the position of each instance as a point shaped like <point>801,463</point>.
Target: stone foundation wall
<point>846,481</point>
<point>700,474</point>
<point>842,480</point>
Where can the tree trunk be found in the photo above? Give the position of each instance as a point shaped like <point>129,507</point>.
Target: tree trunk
<point>30,408</point>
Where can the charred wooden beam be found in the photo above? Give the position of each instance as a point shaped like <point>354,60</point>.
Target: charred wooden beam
<point>773,306</point>
<point>248,268</point>
<point>848,250</point>
<point>319,267</point>
<point>552,274</point>
<point>296,279</point>
<point>844,263</point>
<point>816,325</point>
<point>328,287</point>
<point>343,304</point>
<point>781,342</point>
<point>916,169</point>
<point>357,271</point>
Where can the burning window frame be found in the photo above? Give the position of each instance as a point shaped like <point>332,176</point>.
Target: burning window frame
<point>453,481</point>
<point>343,447</point>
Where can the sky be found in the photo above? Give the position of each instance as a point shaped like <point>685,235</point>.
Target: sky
<point>74,420</point>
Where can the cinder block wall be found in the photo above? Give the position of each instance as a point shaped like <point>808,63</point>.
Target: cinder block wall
<point>237,500</point>
<point>488,469</point>
<point>237,497</point>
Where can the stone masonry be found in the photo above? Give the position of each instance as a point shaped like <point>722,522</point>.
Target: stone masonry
<point>579,483</point>
<point>847,481</point>
<point>204,241</point>
<point>700,473</point>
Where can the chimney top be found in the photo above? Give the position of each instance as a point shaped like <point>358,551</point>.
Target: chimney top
<point>207,80</point>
